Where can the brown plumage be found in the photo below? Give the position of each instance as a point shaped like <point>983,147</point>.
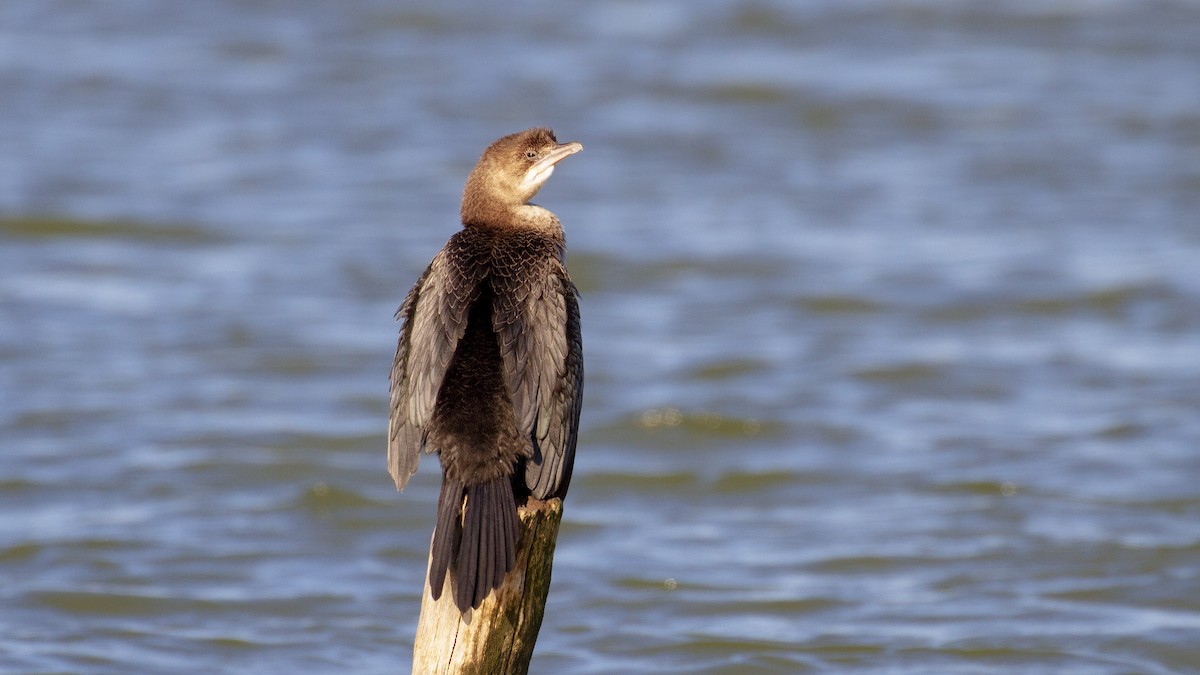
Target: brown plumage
<point>489,367</point>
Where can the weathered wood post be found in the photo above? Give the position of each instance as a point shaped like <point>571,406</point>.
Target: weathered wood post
<point>500,636</point>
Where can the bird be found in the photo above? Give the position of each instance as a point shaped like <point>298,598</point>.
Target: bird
<point>488,371</point>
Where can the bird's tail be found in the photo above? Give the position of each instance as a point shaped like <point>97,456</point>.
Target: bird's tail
<point>475,540</point>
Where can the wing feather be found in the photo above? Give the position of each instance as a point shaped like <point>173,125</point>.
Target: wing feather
<point>435,318</point>
<point>556,439</point>
<point>542,351</point>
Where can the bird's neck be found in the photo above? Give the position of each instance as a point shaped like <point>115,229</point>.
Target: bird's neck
<point>537,217</point>
<point>518,217</point>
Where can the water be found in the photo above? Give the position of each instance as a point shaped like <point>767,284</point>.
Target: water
<point>891,319</point>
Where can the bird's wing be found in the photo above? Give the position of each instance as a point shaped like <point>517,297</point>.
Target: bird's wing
<point>435,318</point>
<point>537,319</point>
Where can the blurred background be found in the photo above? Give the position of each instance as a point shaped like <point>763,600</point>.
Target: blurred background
<point>891,314</point>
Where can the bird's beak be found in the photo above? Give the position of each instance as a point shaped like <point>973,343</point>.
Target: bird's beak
<point>558,154</point>
<point>539,172</point>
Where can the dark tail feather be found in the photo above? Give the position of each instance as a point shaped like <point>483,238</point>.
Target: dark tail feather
<point>488,550</point>
<point>446,535</point>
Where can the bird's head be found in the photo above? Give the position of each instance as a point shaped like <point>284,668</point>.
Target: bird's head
<point>510,173</point>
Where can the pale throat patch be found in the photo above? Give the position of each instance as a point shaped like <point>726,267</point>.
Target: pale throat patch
<point>534,178</point>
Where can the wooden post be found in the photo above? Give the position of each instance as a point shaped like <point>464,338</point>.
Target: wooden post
<point>499,638</point>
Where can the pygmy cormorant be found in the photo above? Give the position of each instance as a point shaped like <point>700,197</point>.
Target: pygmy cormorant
<point>489,367</point>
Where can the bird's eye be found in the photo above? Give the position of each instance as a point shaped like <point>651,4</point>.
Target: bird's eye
<point>530,154</point>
